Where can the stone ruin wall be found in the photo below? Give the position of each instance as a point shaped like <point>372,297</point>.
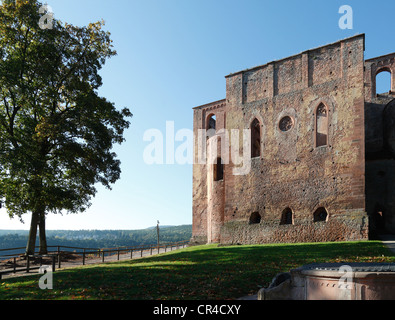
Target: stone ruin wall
<point>380,146</point>
<point>292,172</point>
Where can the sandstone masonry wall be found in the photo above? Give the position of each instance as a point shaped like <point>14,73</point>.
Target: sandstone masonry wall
<point>293,171</point>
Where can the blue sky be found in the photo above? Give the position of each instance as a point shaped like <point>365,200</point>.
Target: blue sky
<point>173,55</point>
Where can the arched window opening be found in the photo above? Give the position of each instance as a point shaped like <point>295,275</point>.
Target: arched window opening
<point>211,126</point>
<point>212,122</point>
<point>287,217</point>
<point>321,138</point>
<point>255,139</point>
<point>218,170</point>
<point>321,215</point>
<point>255,218</point>
<point>383,82</point>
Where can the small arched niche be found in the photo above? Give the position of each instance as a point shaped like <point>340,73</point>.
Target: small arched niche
<point>287,217</point>
<point>321,215</point>
<point>255,218</point>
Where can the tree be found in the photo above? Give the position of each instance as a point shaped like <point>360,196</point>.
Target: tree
<point>56,132</point>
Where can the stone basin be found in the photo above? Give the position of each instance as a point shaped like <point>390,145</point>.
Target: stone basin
<point>334,281</point>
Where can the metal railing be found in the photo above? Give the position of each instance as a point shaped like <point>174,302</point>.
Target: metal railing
<point>64,256</point>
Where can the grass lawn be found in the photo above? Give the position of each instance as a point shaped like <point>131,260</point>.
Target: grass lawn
<point>205,272</point>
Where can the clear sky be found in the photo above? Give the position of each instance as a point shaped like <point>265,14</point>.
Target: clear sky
<point>173,55</point>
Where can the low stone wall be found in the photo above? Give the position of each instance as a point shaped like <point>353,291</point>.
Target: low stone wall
<point>334,281</point>
<point>343,228</point>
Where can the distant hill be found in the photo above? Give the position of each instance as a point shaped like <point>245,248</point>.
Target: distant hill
<point>99,238</point>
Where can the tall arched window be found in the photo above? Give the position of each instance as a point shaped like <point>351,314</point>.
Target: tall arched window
<point>211,122</point>
<point>287,217</point>
<point>218,170</point>
<point>383,81</point>
<point>255,138</point>
<point>321,124</point>
<point>211,126</point>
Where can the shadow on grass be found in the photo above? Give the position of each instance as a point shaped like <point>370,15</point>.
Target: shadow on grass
<point>196,273</point>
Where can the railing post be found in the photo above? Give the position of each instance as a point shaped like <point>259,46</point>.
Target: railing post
<point>53,263</point>
<point>176,245</point>
<point>28,264</point>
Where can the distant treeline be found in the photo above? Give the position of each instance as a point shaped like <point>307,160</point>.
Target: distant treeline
<point>100,238</point>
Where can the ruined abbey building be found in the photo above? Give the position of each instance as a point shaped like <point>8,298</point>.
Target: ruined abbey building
<point>322,151</point>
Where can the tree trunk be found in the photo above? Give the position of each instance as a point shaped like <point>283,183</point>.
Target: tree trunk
<point>31,243</point>
<point>43,237</point>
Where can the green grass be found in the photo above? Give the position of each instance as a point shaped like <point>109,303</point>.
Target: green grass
<point>205,272</point>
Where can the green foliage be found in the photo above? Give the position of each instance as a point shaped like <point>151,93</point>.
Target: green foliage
<point>203,273</point>
<point>56,132</point>
<point>100,238</point>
